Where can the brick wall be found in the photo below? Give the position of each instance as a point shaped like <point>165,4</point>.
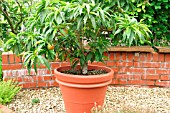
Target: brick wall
<point>148,69</point>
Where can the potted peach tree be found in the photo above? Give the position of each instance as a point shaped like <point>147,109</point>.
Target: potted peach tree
<point>78,31</point>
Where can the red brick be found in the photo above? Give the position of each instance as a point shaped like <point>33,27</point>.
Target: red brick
<point>27,79</point>
<point>155,56</point>
<point>130,56</point>
<point>4,59</point>
<point>100,64</point>
<point>137,82</point>
<point>123,82</point>
<point>115,69</point>
<point>65,63</point>
<point>128,76</point>
<point>164,77</point>
<point>19,79</point>
<point>152,64</point>
<point>165,65</point>
<point>149,57</point>
<point>17,59</point>
<point>124,64</point>
<point>53,77</point>
<point>163,83</point>
<point>55,65</point>
<point>46,78</point>
<point>34,78</point>
<point>123,70</point>
<point>11,58</point>
<point>137,70</point>
<point>52,84</point>
<point>124,56</point>
<point>11,66</point>
<point>42,84</point>
<point>150,71</point>
<point>28,85</point>
<point>138,64</point>
<point>7,73</point>
<point>40,78</point>
<point>142,56</point>
<point>161,57</point>
<point>110,63</point>
<point>136,56</point>
<point>118,56</point>
<point>136,77</point>
<point>150,77</point>
<point>41,66</point>
<point>112,56</point>
<point>106,56</point>
<point>167,57</point>
<point>114,81</point>
<point>123,76</point>
<point>150,83</point>
<point>162,71</point>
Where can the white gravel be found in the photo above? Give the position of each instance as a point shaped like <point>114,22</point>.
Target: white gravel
<point>129,99</point>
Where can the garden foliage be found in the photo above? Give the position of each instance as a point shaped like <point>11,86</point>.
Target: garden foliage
<point>56,26</point>
<point>8,89</point>
<point>156,14</point>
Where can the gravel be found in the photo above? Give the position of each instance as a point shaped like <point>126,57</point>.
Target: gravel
<point>131,99</point>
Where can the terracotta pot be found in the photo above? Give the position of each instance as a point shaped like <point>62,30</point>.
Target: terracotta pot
<point>4,109</point>
<point>81,92</point>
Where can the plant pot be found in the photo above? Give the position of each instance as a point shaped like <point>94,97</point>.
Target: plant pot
<point>80,92</point>
<point>4,109</point>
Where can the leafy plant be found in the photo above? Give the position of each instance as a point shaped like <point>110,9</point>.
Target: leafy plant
<point>13,13</point>
<point>35,101</point>
<point>8,90</point>
<point>155,13</point>
<point>74,30</point>
<point>131,32</point>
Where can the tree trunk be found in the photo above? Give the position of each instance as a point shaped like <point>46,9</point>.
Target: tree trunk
<point>85,69</point>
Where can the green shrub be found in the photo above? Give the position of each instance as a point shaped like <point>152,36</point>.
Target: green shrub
<point>156,14</point>
<point>8,89</point>
<point>35,100</point>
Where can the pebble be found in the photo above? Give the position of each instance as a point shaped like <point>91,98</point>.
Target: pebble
<point>131,99</point>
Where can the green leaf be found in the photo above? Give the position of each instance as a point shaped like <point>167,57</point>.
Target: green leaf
<point>118,31</point>
<point>97,56</point>
<point>93,21</point>
<point>85,19</point>
<point>102,15</point>
<point>89,56</point>
<point>42,16</point>
<point>88,8</point>
<point>59,20</point>
<point>35,64</point>
<point>46,63</point>
<point>79,20</point>
<point>131,38</point>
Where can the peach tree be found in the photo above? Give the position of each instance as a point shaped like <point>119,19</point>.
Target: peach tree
<point>75,30</point>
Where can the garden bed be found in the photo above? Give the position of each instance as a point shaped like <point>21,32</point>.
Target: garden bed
<point>131,99</point>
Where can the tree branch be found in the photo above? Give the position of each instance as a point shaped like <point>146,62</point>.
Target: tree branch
<point>21,16</point>
<point>8,19</point>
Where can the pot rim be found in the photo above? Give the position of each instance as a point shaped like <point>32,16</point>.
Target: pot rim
<point>84,79</point>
